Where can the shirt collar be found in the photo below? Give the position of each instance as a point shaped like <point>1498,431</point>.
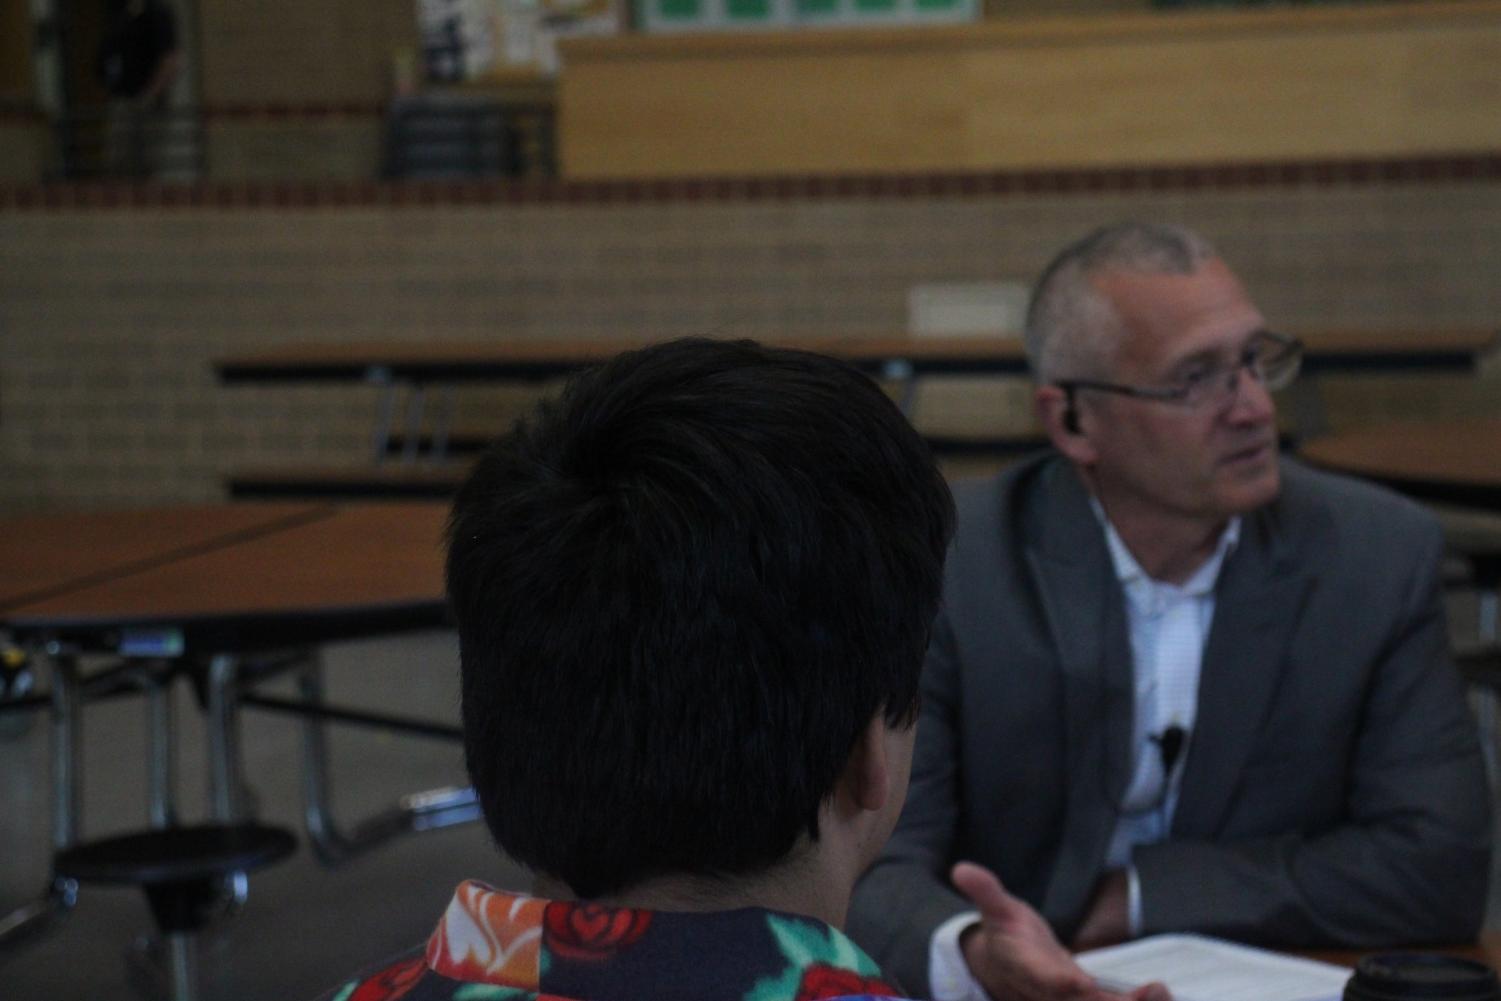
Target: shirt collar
<point>1131,576</point>
<point>588,950</point>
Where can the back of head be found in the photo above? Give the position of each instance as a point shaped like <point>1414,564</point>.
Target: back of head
<point>1071,325</point>
<point>683,590</point>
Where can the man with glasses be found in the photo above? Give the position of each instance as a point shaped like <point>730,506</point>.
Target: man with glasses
<point>1179,683</point>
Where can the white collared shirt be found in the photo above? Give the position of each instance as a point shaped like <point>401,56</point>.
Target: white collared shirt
<point>1168,626</point>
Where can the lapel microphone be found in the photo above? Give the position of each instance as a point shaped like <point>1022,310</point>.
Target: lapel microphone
<point>1170,744</point>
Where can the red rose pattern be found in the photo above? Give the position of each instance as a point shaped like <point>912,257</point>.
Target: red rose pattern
<point>392,982</point>
<point>823,981</point>
<point>591,932</point>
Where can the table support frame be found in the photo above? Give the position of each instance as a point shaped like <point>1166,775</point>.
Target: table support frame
<point>424,811</point>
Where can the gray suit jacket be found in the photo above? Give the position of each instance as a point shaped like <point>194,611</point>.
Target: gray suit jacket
<point>1333,790</point>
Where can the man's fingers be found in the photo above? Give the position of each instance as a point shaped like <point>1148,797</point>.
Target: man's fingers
<point>983,889</point>
<point>1017,955</point>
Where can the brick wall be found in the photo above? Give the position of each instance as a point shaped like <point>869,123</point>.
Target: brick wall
<point>109,317</point>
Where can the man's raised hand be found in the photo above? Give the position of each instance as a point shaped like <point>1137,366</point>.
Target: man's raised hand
<point>1015,955</point>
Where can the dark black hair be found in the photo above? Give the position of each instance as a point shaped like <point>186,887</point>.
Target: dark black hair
<point>683,590</point>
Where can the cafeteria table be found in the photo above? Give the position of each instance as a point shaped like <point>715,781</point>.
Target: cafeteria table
<point>413,366</point>
<point>1452,462</point>
<point>227,596</point>
<point>46,554</point>
<point>216,593</point>
<point>1486,949</point>
<point>890,355</point>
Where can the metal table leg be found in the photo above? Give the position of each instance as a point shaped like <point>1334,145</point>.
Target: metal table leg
<point>67,796</point>
<point>385,412</point>
<point>422,811</point>
<point>416,400</point>
<point>227,800</point>
<point>442,425</point>
<point>161,776</point>
<point>900,370</point>
<point>67,752</point>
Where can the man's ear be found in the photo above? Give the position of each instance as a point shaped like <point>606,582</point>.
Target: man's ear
<point>1065,424</point>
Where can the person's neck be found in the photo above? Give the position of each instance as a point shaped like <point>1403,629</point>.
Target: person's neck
<point>797,886</point>
<point>1168,546</point>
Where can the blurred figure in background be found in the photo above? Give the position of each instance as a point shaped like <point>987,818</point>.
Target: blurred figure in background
<point>139,60</point>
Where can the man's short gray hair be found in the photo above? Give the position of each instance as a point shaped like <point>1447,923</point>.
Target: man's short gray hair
<point>1072,328</point>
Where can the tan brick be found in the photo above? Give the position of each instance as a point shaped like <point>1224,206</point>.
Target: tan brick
<point>109,320</point>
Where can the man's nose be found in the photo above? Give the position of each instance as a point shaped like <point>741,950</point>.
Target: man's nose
<point>1251,402</point>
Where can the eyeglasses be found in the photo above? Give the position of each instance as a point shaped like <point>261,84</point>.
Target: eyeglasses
<point>1272,360</point>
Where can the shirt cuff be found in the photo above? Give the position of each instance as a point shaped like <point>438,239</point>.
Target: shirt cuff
<point>948,973</point>
<point>1133,902</point>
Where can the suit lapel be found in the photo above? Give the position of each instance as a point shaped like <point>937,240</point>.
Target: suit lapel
<point>1086,619</point>
<point>1258,602</point>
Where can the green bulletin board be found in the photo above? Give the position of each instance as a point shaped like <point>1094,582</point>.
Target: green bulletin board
<point>714,15</point>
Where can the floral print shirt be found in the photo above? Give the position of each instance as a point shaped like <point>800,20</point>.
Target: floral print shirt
<point>496,945</point>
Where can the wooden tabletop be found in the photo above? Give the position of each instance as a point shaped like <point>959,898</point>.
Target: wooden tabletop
<point>322,578</point>
<point>1486,950</point>
<point>385,362</point>
<point>1455,462</point>
<point>1469,531</point>
<point>44,554</point>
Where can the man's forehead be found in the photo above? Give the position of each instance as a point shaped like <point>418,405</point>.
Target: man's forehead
<point>1179,315</point>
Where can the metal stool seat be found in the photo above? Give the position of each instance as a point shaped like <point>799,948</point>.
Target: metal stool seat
<point>180,869</point>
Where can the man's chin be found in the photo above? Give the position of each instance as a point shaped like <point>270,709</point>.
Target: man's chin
<point>1252,489</point>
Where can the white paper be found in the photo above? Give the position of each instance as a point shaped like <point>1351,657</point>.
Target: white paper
<point>1196,968</point>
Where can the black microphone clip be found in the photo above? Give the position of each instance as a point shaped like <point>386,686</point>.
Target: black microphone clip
<point>1170,744</point>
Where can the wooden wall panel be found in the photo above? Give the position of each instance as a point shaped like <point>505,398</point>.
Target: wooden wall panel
<point>284,51</point>
<point>1128,89</point>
